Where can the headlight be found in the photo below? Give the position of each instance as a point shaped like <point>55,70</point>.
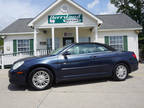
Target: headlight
<point>17,65</point>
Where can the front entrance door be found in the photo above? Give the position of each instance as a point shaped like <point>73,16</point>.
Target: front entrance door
<point>68,40</point>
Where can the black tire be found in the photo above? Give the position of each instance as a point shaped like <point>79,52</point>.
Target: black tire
<point>34,71</point>
<point>115,72</point>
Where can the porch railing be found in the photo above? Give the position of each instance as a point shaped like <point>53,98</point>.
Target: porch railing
<point>41,52</point>
<point>9,59</point>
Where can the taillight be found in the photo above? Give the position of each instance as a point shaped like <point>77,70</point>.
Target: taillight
<point>134,55</point>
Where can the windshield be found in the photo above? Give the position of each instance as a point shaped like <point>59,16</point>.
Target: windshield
<point>57,51</point>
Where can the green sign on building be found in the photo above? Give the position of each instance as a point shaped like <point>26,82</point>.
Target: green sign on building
<point>71,18</point>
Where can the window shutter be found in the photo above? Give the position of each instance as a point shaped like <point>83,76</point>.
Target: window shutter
<point>49,43</point>
<point>31,45</point>
<point>107,40</point>
<point>14,46</point>
<point>89,39</point>
<point>125,41</point>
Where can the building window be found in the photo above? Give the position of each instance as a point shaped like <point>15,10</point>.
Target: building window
<point>49,43</point>
<point>84,39</point>
<point>23,45</point>
<point>68,34</point>
<point>117,42</point>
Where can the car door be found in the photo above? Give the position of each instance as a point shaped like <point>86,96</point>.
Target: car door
<point>77,63</point>
<point>101,60</point>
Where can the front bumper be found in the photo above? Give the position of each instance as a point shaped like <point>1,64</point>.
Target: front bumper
<point>18,79</point>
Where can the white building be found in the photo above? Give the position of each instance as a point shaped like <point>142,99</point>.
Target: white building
<point>65,22</point>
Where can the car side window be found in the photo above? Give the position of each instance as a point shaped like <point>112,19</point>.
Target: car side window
<point>86,48</point>
<point>100,48</point>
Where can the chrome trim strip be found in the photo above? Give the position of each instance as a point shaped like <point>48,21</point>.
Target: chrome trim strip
<point>74,68</point>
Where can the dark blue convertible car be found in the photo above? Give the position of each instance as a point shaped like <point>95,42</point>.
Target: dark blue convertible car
<point>75,61</point>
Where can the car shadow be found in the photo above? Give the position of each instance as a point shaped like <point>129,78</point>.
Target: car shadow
<point>84,82</point>
<point>80,82</point>
<point>129,77</point>
<point>13,87</point>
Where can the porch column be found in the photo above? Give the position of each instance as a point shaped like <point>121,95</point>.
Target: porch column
<point>53,39</point>
<point>96,34</point>
<point>35,41</point>
<point>77,34</point>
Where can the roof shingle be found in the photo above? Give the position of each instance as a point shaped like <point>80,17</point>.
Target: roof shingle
<point>18,26</point>
<point>117,21</point>
<point>111,21</point>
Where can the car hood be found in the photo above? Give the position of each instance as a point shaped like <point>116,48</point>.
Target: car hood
<point>34,58</point>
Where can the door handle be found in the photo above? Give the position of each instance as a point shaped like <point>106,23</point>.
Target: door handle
<point>93,57</point>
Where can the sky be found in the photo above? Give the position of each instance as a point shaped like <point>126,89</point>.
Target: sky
<point>10,10</point>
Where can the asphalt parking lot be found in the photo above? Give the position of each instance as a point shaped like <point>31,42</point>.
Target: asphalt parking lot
<point>100,93</point>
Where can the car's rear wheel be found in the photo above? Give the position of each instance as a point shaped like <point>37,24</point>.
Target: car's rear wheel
<point>120,72</point>
<point>41,78</point>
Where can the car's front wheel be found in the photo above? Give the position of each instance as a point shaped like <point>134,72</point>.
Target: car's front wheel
<point>120,72</point>
<point>41,78</point>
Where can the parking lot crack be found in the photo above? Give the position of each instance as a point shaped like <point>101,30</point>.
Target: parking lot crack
<point>38,106</point>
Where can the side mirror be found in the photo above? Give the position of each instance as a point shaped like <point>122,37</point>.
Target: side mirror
<point>66,53</point>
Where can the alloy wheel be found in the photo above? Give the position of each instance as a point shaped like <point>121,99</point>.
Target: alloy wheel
<point>121,72</point>
<point>41,79</point>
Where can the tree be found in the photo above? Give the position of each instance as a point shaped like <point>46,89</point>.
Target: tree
<point>1,45</point>
<point>1,41</point>
<point>133,8</point>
